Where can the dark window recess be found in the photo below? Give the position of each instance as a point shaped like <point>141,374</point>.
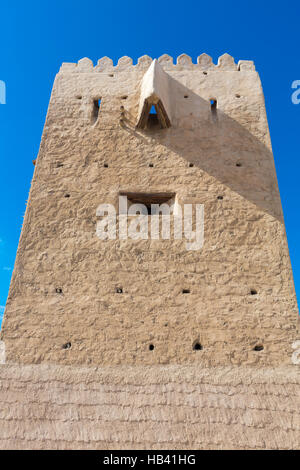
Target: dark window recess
<point>153,122</point>
<point>213,107</point>
<point>197,347</point>
<point>148,198</point>
<point>67,346</point>
<point>258,347</point>
<point>253,292</point>
<point>186,291</point>
<point>153,117</point>
<point>96,109</point>
<point>105,165</point>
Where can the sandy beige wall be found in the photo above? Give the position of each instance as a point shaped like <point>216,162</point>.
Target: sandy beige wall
<point>244,248</point>
<point>157,407</point>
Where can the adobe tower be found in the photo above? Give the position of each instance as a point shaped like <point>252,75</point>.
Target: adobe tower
<point>76,299</point>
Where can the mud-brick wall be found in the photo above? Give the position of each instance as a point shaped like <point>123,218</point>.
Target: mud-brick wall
<point>64,289</point>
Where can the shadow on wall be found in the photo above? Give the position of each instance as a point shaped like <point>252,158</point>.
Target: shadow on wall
<point>222,147</point>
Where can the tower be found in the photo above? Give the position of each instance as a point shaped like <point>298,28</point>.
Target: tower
<point>155,133</point>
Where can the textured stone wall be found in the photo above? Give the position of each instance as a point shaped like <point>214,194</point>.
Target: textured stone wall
<point>83,163</point>
<point>149,407</point>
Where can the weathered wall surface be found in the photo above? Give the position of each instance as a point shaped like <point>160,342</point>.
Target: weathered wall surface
<point>91,162</point>
<point>149,407</point>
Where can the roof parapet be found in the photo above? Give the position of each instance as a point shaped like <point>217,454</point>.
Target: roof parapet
<point>184,62</point>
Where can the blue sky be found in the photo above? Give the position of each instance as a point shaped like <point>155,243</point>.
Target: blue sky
<point>37,36</point>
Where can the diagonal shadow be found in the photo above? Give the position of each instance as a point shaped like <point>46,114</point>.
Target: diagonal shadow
<point>222,146</point>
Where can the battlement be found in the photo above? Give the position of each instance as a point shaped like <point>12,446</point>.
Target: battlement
<point>183,62</point>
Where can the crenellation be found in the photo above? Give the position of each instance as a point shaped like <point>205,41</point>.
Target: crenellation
<point>166,62</point>
<point>226,62</point>
<point>85,65</point>
<point>68,67</point>
<point>144,61</point>
<point>105,64</point>
<point>183,62</point>
<point>124,63</point>
<point>205,62</point>
<point>246,65</point>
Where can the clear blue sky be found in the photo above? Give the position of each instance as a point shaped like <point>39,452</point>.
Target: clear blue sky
<point>36,36</point>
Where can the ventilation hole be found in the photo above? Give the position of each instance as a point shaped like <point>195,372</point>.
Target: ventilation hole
<point>258,347</point>
<point>58,290</point>
<point>238,164</point>
<point>186,96</point>
<point>166,324</point>
<point>151,347</point>
<point>204,73</point>
<point>124,97</point>
<point>191,165</point>
<point>111,75</point>
<point>237,96</point>
<point>79,97</point>
<point>151,165</point>
<point>197,347</point>
<point>67,195</point>
<point>119,290</point>
<point>253,292</point>
<point>67,346</point>
<point>186,291</point>
<point>220,197</point>
<point>105,165</point>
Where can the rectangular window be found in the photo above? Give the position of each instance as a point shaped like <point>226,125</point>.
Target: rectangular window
<point>150,201</point>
